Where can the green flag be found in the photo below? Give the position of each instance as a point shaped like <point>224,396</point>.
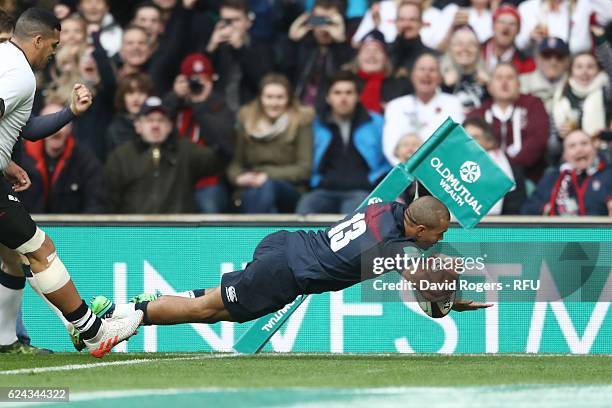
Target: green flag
<point>457,171</point>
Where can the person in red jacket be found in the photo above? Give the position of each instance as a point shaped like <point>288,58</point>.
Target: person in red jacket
<point>520,122</point>
<point>66,178</point>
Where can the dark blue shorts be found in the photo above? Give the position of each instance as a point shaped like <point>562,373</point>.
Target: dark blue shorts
<point>266,285</point>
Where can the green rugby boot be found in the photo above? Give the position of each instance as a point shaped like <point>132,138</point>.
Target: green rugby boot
<point>145,297</point>
<point>102,307</point>
<point>20,347</point>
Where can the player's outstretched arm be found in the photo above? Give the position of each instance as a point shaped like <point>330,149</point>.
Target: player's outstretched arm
<point>462,305</point>
<point>40,127</point>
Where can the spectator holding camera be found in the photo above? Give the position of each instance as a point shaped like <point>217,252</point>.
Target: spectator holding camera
<point>202,117</point>
<point>155,173</point>
<point>386,17</point>
<point>240,59</point>
<point>132,91</point>
<point>317,49</point>
<point>582,185</point>
<point>273,155</point>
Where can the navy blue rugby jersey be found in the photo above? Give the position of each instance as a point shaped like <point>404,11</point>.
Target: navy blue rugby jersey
<point>341,256</point>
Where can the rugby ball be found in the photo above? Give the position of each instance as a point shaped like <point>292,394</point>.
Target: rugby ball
<point>435,309</point>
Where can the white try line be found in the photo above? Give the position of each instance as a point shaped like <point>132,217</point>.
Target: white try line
<point>70,367</point>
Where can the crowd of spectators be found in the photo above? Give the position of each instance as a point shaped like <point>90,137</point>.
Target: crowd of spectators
<point>303,106</point>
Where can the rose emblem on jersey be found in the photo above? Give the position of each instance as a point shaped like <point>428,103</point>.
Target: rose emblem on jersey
<point>469,171</point>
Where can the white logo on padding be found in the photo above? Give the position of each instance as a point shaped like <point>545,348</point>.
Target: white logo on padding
<point>13,198</point>
<point>230,291</point>
<point>375,200</point>
<point>469,172</point>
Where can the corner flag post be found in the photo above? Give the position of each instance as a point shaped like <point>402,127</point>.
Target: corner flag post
<point>450,165</point>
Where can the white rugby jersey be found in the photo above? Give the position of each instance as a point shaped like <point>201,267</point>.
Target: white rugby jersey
<point>17,88</point>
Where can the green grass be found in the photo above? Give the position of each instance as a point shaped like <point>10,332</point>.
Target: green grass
<point>294,370</point>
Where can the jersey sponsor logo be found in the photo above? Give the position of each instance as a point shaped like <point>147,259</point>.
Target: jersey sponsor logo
<point>13,198</point>
<point>345,232</point>
<point>469,171</point>
<point>230,291</point>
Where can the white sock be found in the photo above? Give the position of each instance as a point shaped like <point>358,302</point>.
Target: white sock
<point>124,310</point>
<point>59,314</point>
<point>10,303</point>
<point>187,294</point>
<point>191,294</point>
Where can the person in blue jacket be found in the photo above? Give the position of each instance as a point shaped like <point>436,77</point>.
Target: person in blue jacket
<point>348,160</point>
<point>582,185</point>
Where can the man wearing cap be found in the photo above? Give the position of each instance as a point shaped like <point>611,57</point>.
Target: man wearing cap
<point>156,173</point>
<point>552,63</point>
<point>501,47</point>
<point>202,117</point>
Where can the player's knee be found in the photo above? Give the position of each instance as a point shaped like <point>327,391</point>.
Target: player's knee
<point>53,277</point>
<point>38,248</point>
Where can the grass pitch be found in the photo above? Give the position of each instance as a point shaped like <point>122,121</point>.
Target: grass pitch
<point>327,380</point>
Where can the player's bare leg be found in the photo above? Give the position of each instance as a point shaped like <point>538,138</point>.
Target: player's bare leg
<point>55,283</point>
<point>14,264</point>
<point>12,283</point>
<point>175,310</point>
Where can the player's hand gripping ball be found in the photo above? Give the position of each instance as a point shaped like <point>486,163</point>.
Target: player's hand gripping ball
<point>435,287</point>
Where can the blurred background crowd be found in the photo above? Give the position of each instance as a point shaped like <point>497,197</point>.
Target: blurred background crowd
<point>303,106</point>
